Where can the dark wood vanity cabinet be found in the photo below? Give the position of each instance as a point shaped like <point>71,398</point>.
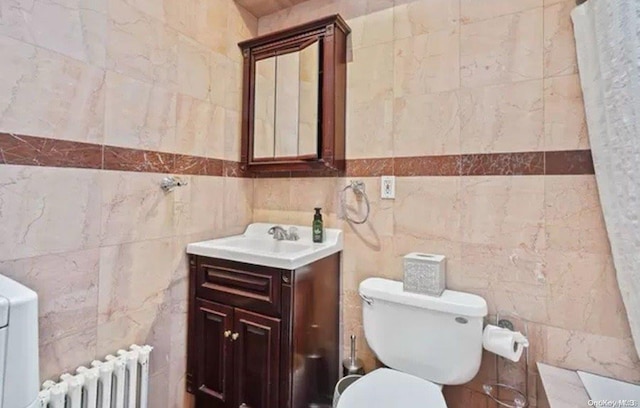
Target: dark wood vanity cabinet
<point>262,337</point>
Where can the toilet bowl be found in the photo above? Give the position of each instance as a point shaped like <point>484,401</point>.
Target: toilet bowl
<point>425,342</point>
<point>386,388</point>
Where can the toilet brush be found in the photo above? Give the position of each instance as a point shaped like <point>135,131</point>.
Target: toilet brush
<point>352,365</point>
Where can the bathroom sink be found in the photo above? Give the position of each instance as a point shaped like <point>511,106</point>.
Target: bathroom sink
<point>256,246</point>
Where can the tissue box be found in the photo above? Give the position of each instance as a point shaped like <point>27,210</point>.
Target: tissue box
<point>424,273</point>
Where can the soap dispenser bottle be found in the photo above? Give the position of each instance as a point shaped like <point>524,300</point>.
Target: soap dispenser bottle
<point>317,227</point>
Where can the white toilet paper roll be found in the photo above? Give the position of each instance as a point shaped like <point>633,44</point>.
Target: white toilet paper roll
<point>504,342</point>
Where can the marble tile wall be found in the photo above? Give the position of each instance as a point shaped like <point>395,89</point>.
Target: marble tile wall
<point>469,83</point>
<point>101,243</point>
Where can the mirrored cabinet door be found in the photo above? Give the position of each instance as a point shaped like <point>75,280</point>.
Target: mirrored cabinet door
<point>294,97</point>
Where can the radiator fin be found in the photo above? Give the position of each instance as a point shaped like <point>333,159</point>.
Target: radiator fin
<point>116,382</point>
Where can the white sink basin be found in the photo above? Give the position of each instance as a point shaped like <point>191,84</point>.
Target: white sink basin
<point>257,247</point>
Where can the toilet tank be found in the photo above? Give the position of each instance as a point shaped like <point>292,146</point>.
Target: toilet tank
<point>438,339</point>
<point>19,373</point>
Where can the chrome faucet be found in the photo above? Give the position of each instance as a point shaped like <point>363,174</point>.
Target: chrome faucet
<point>281,234</point>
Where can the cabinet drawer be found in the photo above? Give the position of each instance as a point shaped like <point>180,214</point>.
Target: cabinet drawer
<point>252,287</point>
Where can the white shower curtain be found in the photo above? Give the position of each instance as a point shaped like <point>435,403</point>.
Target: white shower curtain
<point>608,42</point>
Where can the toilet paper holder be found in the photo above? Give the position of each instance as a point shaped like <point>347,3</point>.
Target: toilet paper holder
<point>495,390</point>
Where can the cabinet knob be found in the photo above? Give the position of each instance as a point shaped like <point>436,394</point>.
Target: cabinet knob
<point>243,405</point>
<point>235,336</point>
<point>227,333</point>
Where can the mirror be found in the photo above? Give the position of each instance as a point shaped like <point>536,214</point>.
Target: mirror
<point>286,105</point>
<point>294,100</point>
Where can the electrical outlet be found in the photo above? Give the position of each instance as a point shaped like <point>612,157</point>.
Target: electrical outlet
<point>388,187</point>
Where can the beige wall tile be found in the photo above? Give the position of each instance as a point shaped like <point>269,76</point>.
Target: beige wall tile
<point>66,307</point>
<point>206,22</point>
<point>363,259</point>
<point>472,10</point>
<point>195,210</point>
<point>272,194</point>
<point>36,216</point>
<point>584,294</point>
<point>506,212</point>
<point>67,287</point>
<point>565,126</point>
<point>428,208</point>
<point>135,276</point>
<point>502,49</point>
<point>516,268</point>
<point>232,129</point>
<point>503,118</point>
<point>139,114</point>
<point>374,27</point>
<point>47,94</point>
<point>308,193</point>
<point>134,208</point>
<point>427,63</point>
<point>272,216</point>
<point>370,129</point>
<point>194,60</point>
<point>559,43</point>
<point>574,220</point>
<point>427,125</point>
<point>76,28</point>
<point>141,46</point>
<point>416,17</point>
<point>370,74</point>
<point>65,354</point>
<point>608,356</point>
<point>238,204</point>
<point>200,127</point>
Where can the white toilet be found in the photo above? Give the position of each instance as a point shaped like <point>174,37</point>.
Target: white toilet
<point>425,341</point>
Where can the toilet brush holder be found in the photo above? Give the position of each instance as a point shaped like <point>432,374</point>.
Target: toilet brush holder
<point>352,365</point>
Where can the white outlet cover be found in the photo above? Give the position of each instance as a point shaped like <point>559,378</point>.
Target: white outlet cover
<point>388,187</point>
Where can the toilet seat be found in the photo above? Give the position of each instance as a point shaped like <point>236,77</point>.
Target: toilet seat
<point>386,388</point>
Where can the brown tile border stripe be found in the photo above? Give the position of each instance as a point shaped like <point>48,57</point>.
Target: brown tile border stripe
<point>124,159</point>
<point>570,162</point>
<point>40,151</point>
<point>502,164</point>
<point>369,167</point>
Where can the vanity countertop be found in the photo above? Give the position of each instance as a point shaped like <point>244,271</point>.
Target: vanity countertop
<point>255,246</point>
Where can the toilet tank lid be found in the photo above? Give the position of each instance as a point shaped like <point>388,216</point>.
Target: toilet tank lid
<point>458,303</point>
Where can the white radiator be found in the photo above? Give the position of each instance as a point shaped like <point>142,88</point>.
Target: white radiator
<point>117,382</point>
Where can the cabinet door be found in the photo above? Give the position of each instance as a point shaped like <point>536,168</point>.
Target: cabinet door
<point>257,360</point>
<point>214,348</point>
